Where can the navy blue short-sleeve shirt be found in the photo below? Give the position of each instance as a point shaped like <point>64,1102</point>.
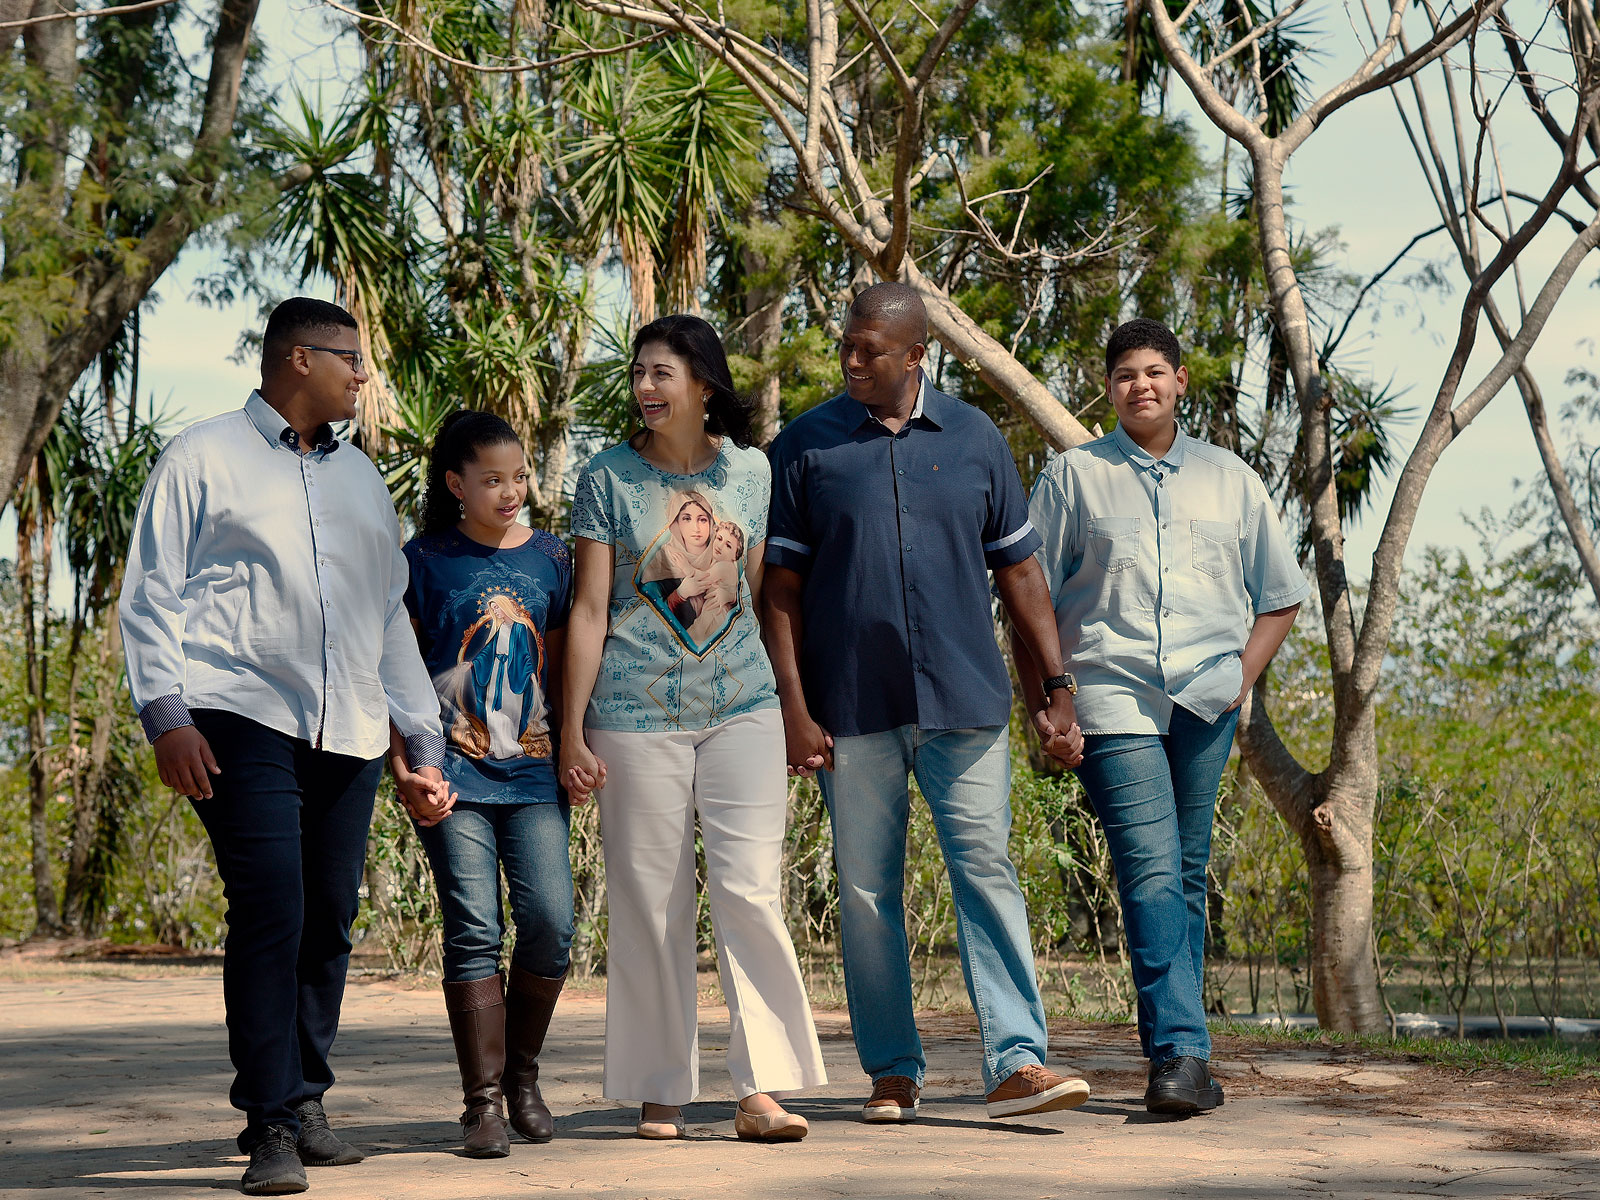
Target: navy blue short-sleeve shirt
<point>895,534</point>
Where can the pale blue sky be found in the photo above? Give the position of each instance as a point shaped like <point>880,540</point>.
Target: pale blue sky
<point>1356,173</point>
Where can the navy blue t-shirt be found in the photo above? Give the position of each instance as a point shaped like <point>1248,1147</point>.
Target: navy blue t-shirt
<point>484,613</point>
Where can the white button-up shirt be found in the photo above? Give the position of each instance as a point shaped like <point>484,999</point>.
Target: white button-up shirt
<point>269,583</point>
<point>1156,569</point>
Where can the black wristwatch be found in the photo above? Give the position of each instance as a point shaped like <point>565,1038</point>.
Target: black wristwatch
<point>1061,681</point>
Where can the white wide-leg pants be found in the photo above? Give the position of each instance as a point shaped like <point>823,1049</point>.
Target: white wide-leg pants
<point>733,776</point>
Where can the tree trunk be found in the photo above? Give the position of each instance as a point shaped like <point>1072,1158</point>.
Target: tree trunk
<point>38,367</point>
<point>47,914</point>
<point>89,810</point>
<point>1566,503</point>
<point>763,334</point>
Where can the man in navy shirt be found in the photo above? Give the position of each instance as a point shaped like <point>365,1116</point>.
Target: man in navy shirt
<point>891,504</point>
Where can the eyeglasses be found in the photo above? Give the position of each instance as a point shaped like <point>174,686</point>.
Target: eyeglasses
<point>351,357</point>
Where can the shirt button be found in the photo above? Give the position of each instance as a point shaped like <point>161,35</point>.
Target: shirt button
<point>907,549</point>
<point>916,629</point>
<point>1166,612</point>
<point>905,508</point>
<point>911,587</point>
<point>901,471</point>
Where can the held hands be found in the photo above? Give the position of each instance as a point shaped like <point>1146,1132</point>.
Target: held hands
<point>808,747</point>
<point>582,771</point>
<point>1058,729</point>
<point>185,763</point>
<point>425,794</point>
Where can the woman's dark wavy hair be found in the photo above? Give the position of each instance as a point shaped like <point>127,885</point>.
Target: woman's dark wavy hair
<point>461,436</point>
<point>694,341</point>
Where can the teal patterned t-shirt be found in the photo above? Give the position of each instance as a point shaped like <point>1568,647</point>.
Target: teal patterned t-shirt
<point>683,650</point>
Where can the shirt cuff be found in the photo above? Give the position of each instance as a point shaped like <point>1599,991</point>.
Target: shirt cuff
<point>163,715</point>
<point>425,750</point>
<point>785,552</point>
<point>1008,551</point>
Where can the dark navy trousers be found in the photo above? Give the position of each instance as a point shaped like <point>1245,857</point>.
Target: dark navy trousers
<point>288,824</point>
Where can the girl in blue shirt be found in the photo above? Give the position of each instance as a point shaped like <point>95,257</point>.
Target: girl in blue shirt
<point>488,598</point>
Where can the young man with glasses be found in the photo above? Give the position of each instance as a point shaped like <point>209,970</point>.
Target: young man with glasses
<point>268,651</point>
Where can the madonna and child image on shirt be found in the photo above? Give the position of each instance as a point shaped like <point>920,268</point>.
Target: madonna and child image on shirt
<point>690,574</point>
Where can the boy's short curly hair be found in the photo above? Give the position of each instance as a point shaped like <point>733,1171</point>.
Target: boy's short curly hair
<point>1142,333</point>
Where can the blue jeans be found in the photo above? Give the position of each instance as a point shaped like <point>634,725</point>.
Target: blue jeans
<point>965,776</point>
<point>1155,795</point>
<point>466,851</point>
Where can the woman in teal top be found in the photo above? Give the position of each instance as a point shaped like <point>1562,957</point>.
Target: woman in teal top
<point>670,685</point>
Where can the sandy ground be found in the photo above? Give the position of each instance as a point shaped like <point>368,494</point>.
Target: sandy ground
<point>112,1085</point>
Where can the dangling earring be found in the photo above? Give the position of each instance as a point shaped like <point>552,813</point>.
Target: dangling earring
<point>462,505</point>
<point>706,399</point>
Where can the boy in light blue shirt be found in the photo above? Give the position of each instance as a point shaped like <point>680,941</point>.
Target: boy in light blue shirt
<point>1173,585</point>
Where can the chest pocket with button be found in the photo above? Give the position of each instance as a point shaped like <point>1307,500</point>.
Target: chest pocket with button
<point>1216,547</point>
<point>1115,541</point>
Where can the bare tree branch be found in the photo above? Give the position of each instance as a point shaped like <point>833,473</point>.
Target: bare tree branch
<point>88,14</point>
<point>1251,38</point>
<point>508,68</point>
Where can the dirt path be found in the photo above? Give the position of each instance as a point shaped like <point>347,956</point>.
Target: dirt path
<point>116,1086</point>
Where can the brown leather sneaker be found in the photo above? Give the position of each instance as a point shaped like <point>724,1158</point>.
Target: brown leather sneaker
<point>894,1101</point>
<point>1036,1089</point>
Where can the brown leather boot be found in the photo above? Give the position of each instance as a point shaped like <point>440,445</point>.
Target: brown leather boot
<point>530,999</point>
<point>478,1024</point>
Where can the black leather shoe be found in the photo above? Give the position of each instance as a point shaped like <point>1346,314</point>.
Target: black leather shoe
<point>1182,1086</point>
<point>275,1168</point>
<point>319,1145</point>
<point>1216,1088</point>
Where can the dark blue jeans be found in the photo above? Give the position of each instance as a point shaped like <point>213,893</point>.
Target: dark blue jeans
<point>1155,795</point>
<point>467,850</point>
<point>289,827</point>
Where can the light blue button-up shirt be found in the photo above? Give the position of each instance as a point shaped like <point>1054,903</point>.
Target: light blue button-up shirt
<point>1157,568</point>
<point>269,583</point>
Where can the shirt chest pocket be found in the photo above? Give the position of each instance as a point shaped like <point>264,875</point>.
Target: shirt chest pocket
<point>1115,541</point>
<point>1216,547</point>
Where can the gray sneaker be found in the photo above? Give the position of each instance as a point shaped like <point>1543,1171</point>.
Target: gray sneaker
<point>275,1168</point>
<point>319,1146</point>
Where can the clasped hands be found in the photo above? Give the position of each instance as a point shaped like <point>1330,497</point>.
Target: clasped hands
<point>582,771</point>
<point>1057,726</point>
<point>424,792</point>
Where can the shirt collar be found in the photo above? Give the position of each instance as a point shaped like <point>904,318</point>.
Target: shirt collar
<point>1143,459</point>
<point>270,424</point>
<point>928,407</point>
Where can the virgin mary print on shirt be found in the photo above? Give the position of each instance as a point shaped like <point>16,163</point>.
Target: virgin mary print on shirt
<point>691,572</point>
<point>500,709</point>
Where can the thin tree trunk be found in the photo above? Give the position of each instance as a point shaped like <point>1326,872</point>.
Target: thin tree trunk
<point>763,334</point>
<point>1566,503</point>
<point>88,818</point>
<point>31,531</point>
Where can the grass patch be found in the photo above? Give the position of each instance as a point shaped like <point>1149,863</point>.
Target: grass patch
<point>1551,1058</point>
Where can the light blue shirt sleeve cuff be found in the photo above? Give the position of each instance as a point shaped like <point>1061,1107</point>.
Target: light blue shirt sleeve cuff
<point>1007,552</point>
<point>784,552</point>
<point>163,715</point>
<point>425,750</point>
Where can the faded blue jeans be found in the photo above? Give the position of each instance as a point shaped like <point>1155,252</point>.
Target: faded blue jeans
<point>1155,795</point>
<point>467,851</point>
<point>965,776</point>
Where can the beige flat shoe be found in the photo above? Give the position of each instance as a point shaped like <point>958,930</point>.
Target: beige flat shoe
<point>777,1126</point>
<point>659,1131</point>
